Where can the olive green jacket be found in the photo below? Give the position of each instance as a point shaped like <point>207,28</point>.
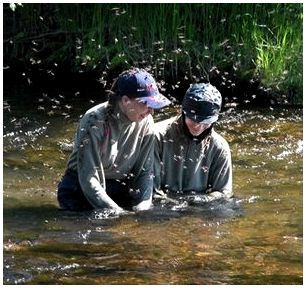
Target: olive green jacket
<point>109,146</point>
<point>183,165</point>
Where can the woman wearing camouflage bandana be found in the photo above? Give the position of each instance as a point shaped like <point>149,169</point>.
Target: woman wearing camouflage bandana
<point>190,156</point>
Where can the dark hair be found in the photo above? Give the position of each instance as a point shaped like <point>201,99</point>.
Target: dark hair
<point>113,95</point>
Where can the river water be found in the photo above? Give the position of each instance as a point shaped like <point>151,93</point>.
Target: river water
<point>255,239</point>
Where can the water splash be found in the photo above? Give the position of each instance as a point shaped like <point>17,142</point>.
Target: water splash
<point>105,213</point>
<point>84,236</point>
<point>20,139</point>
<point>299,149</point>
<point>290,150</point>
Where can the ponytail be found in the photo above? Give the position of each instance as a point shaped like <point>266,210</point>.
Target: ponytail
<point>113,96</point>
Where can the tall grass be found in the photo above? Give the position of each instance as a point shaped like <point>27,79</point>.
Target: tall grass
<point>190,41</point>
<point>279,50</point>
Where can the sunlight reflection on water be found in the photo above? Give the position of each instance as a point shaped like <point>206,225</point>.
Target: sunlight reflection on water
<point>255,239</point>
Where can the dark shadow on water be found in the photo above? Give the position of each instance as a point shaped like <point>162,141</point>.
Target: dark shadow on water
<point>216,210</point>
<point>41,215</point>
<point>266,280</point>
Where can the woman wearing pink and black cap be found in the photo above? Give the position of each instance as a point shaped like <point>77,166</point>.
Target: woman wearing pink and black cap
<point>111,165</point>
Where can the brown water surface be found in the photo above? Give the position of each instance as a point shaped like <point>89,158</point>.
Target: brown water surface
<point>255,239</point>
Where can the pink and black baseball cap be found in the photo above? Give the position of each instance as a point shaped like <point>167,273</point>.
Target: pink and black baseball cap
<point>140,85</point>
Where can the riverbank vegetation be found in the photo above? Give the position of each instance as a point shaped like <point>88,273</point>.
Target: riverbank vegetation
<point>252,52</point>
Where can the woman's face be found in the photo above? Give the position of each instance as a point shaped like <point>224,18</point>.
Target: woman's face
<point>135,110</point>
<point>196,128</point>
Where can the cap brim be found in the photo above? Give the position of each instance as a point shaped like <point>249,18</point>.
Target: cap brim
<point>155,102</point>
<point>202,120</point>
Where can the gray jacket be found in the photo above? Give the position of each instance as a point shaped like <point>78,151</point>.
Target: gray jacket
<point>184,165</point>
<point>109,146</point>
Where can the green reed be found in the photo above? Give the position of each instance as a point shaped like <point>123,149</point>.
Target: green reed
<point>175,40</point>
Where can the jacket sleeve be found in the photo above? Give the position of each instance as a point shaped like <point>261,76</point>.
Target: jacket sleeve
<point>160,130</point>
<point>157,161</point>
<point>141,188</point>
<point>90,170</point>
<point>220,175</point>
